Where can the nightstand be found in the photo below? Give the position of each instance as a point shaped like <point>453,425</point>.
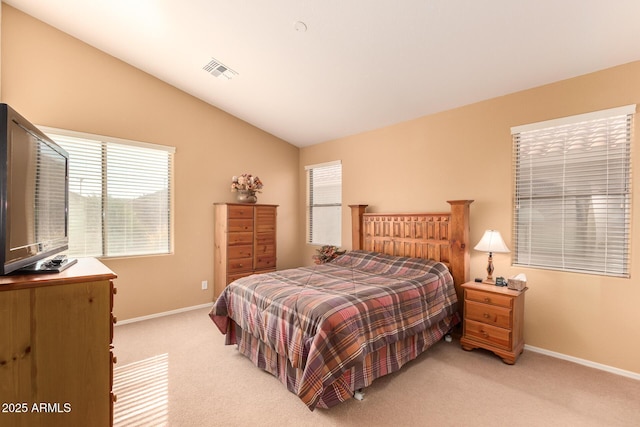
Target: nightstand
<point>493,320</point>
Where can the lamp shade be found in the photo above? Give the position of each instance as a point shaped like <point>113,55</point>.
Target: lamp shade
<point>492,242</point>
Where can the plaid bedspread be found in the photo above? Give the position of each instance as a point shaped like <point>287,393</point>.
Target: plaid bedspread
<point>326,318</point>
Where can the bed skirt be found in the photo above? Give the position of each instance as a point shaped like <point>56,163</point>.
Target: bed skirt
<point>377,364</point>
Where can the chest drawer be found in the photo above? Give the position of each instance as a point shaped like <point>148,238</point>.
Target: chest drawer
<point>240,225</point>
<point>236,212</point>
<point>242,251</point>
<point>265,250</point>
<point>265,261</point>
<point>240,264</point>
<point>236,276</point>
<point>490,314</point>
<point>265,239</point>
<point>242,238</point>
<point>488,298</point>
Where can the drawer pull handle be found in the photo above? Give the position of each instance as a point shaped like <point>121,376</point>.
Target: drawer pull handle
<point>484,334</point>
<point>486,315</point>
<point>487,299</point>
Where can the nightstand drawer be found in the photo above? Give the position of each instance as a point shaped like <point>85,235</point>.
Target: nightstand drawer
<point>490,314</point>
<point>496,337</point>
<point>488,298</point>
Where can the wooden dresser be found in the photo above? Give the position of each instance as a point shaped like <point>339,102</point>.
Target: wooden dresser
<point>56,357</point>
<point>245,242</point>
<point>493,320</point>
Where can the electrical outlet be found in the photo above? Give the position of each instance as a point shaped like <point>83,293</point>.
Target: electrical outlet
<point>205,285</point>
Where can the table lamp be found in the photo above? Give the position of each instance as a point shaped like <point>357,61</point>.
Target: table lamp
<point>491,242</point>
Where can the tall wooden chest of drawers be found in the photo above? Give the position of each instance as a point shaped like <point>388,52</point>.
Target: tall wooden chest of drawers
<point>245,242</point>
<point>493,320</point>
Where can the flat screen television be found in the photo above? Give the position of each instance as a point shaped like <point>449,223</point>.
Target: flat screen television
<point>34,198</point>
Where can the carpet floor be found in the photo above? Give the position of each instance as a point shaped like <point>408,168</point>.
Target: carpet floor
<point>176,371</point>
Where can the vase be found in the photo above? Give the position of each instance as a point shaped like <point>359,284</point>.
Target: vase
<point>246,196</point>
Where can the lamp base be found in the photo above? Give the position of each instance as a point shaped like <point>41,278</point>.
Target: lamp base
<point>489,278</point>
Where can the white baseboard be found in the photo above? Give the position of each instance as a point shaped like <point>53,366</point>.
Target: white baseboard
<point>584,362</point>
<point>164,313</point>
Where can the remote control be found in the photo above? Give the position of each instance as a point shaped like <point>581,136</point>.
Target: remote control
<point>58,259</point>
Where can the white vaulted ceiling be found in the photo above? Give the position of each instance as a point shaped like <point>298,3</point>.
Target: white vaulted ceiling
<point>360,64</point>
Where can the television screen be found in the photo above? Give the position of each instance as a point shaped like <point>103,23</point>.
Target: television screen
<point>34,193</point>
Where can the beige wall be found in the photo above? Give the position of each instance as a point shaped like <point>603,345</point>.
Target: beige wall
<point>55,80</point>
<point>466,154</point>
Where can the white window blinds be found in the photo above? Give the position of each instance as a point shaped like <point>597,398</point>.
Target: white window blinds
<point>572,199</point>
<point>324,207</point>
<point>119,195</point>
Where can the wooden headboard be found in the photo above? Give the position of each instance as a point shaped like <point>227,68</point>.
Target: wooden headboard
<point>442,237</point>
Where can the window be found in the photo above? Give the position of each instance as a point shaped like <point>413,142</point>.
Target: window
<point>119,195</point>
<point>324,207</point>
<point>572,200</point>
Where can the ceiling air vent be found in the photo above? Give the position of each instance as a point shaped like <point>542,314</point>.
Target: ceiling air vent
<point>218,69</point>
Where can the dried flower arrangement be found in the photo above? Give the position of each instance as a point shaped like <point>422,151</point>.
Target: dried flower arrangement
<point>246,182</point>
<point>327,253</point>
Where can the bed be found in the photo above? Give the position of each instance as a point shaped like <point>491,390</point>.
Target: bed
<point>326,331</point>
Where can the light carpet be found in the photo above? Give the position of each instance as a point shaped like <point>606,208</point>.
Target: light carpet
<point>176,371</point>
